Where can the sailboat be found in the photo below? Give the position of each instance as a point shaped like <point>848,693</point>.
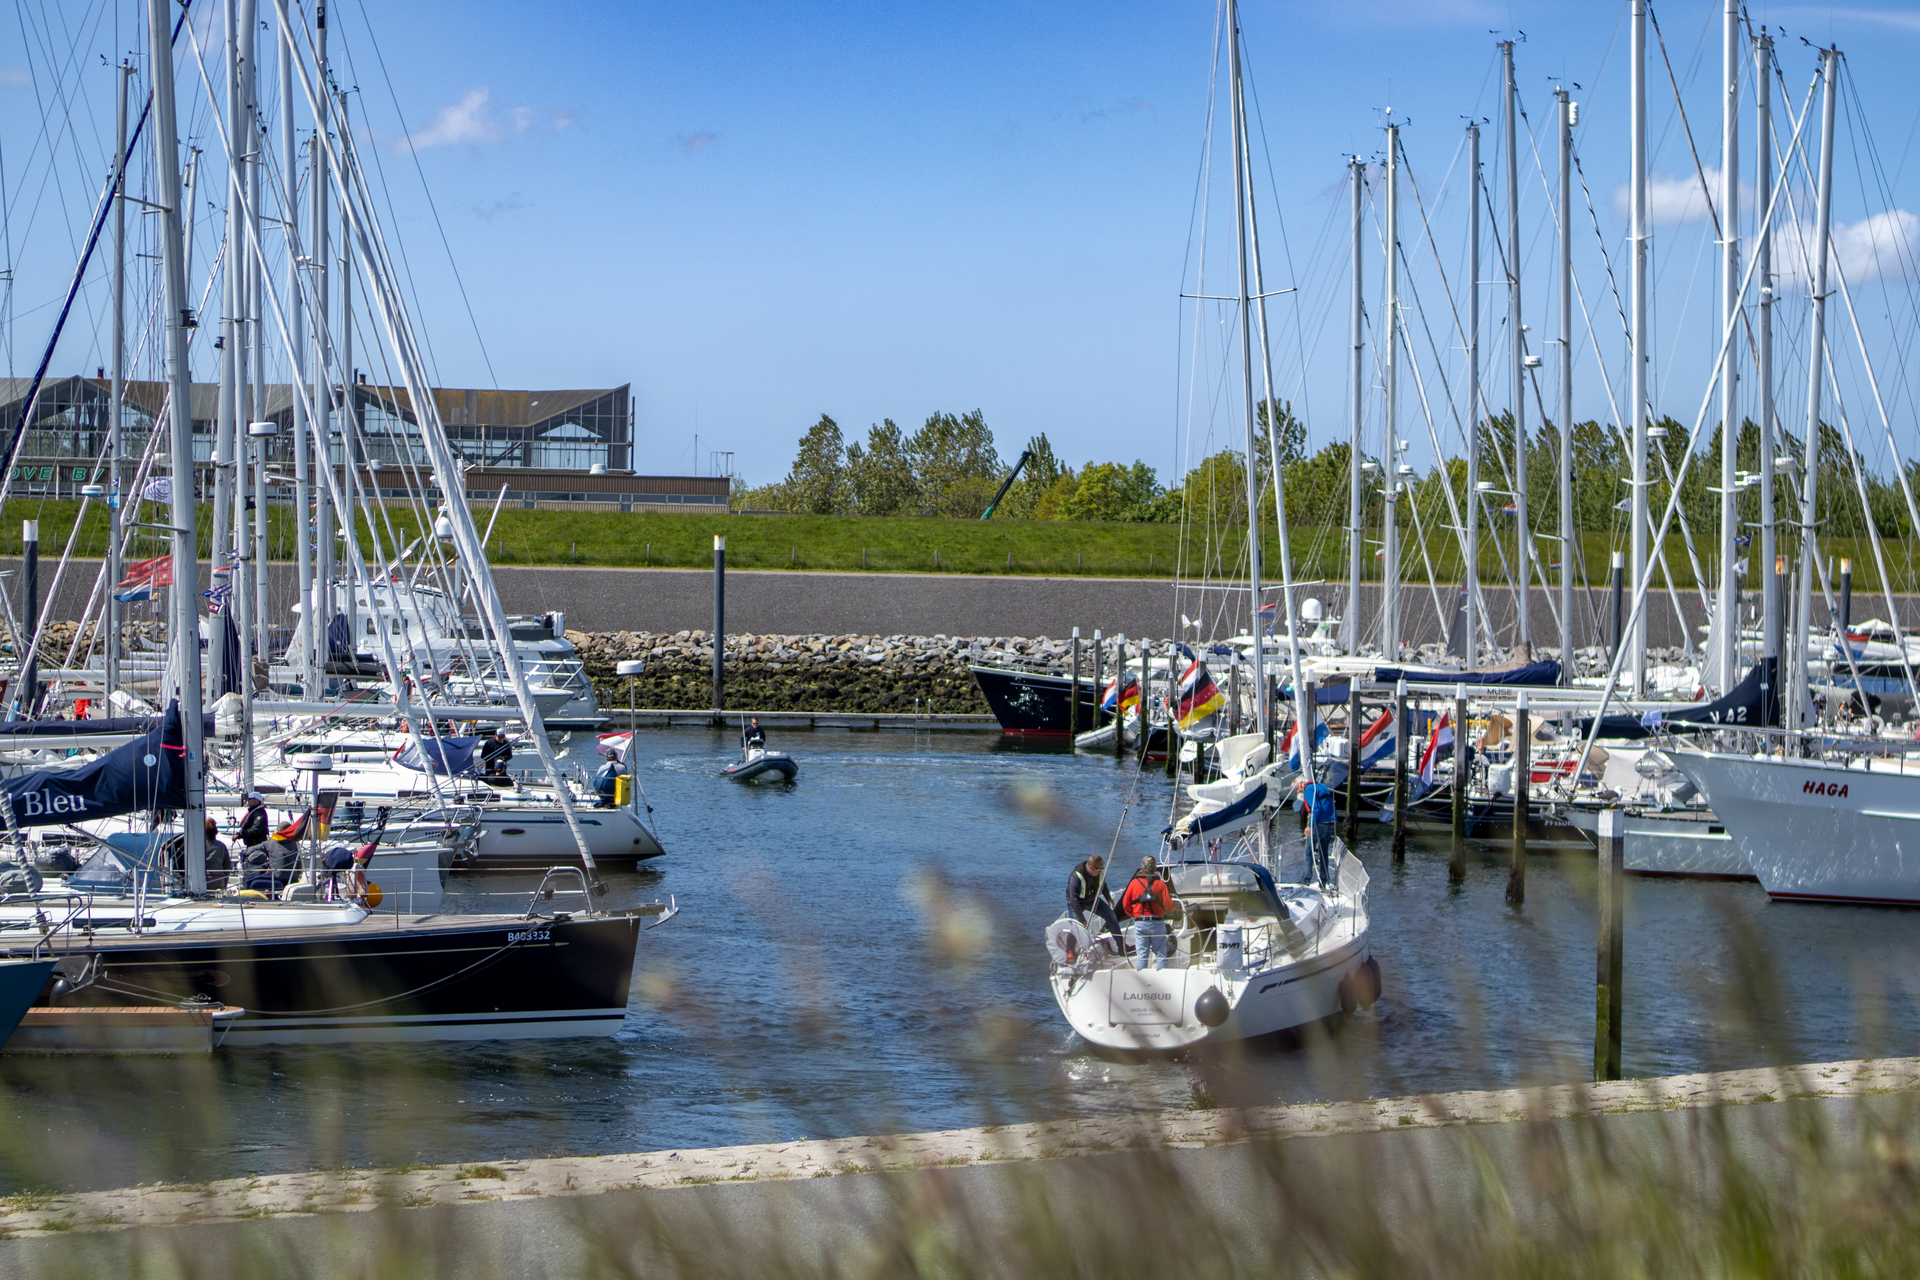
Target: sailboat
<point>1250,952</point>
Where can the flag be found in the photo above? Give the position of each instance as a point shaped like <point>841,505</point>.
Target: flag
<point>157,572</point>
<point>1442,737</point>
<point>134,596</point>
<point>1123,694</point>
<point>1198,696</point>
<point>613,746</point>
<point>160,490</point>
<point>217,598</point>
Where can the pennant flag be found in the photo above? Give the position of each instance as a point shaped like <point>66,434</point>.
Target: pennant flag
<point>1123,694</point>
<point>1442,737</point>
<point>1198,696</point>
<point>157,572</point>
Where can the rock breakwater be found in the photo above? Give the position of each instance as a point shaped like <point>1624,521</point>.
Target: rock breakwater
<point>896,673</point>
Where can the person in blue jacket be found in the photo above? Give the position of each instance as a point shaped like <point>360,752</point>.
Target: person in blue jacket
<point>1317,798</point>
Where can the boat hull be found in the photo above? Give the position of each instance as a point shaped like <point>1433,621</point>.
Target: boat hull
<point>1814,831</point>
<point>1028,702</point>
<point>1658,844</point>
<point>772,766</point>
<point>502,979</point>
<point>537,840</point>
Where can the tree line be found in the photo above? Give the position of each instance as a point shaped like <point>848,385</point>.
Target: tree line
<point>951,466</point>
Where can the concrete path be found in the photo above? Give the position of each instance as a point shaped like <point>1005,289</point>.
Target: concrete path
<point>850,1205</point>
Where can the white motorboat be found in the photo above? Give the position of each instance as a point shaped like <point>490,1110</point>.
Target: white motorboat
<point>1247,956</point>
<point>1817,830</point>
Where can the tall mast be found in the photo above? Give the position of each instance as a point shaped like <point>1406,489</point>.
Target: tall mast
<point>257,273</point>
<point>350,405</point>
<point>1637,372</point>
<point>319,607</point>
<point>1263,698</point>
<point>1763,359</point>
<point>1796,693</point>
<point>1389,445</point>
<point>184,614</point>
<point>115,421</point>
<point>297,351</point>
<point>1522,527</point>
<point>231,275</point>
<point>1356,508</point>
<point>1470,651</point>
<point>1566,113</point>
<point>1727,632</point>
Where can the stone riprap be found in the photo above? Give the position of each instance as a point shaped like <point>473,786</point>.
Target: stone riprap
<point>896,674</point>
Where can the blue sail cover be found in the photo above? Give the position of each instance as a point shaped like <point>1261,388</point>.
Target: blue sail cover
<point>445,756</point>
<point>1753,703</point>
<point>1534,674</point>
<point>147,773</point>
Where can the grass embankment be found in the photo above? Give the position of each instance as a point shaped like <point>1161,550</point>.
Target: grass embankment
<point>888,544</point>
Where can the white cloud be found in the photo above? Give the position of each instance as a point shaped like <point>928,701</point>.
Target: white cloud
<point>1881,246</point>
<point>15,77</point>
<point>473,119</point>
<point>1671,201</point>
<point>693,143</point>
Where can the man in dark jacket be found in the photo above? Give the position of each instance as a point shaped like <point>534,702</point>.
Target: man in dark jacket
<point>495,752</point>
<point>253,823</point>
<point>1088,896</point>
<point>753,736</point>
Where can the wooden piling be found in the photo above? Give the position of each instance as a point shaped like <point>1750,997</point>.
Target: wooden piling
<point>719,628</point>
<point>1120,696</point>
<point>1099,669</point>
<point>1522,767</point>
<point>1146,719</point>
<point>1462,776</point>
<point>1400,771</point>
<point>1608,972</point>
<point>1355,728</point>
<point>1073,695</point>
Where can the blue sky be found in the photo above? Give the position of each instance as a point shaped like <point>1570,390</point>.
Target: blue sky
<point>758,213</point>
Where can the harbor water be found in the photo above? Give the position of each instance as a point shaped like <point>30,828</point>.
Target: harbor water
<point>861,952</point>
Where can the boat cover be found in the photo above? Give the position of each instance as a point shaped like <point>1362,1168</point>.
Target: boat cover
<point>1754,702</point>
<point>1534,674</point>
<point>146,773</point>
<point>444,756</point>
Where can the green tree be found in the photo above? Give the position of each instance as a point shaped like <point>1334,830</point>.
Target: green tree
<point>881,473</point>
<point>955,464</point>
<point>1289,436</point>
<point>1036,482</point>
<point>1110,491</point>
<point>817,485</point>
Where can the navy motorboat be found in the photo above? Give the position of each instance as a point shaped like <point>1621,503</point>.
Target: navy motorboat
<point>757,764</point>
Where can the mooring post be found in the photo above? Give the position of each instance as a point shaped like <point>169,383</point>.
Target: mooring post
<point>719,628</point>
<point>1173,710</point>
<point>1146,719</point>
<point>1400,771</point>
<point>1462,777</point>
<point>1354,730</point>
<point>1099,669</point>
<point>1120,696</point>
<point>1233,696</point>
<point>1522,766</point>
<point>1612,902</point>
<point>1073,693</point>
<point>30,618</point>
<point>1617,588</point>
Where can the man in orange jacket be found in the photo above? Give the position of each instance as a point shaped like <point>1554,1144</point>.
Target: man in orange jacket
<point>1147,904</point>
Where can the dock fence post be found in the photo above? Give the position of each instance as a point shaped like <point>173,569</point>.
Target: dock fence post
<point>1608,973</point>
<point>1400,771</point>
<point>1462,777</point>
<point>719,628</point>
<point>1073,693</point>
<point>1522,767</point>
<point>1146,719</point>
<point>1354,730</point>
<point>1099,670</point>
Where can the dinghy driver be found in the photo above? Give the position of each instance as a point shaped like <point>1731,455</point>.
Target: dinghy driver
<point>753,736</point>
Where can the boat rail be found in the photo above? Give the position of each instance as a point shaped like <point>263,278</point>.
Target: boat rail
<point>1765,740</point>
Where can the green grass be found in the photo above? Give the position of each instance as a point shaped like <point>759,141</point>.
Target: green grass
<point>910,544</point>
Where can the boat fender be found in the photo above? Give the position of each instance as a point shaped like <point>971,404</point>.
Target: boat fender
<point>1211,1008</point>
<point>374,895</point>
<point>1349,1001</point>
<point>1373,984</point>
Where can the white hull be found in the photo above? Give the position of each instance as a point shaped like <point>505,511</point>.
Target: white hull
<point>1814,830</point>
<point>1673,844</point>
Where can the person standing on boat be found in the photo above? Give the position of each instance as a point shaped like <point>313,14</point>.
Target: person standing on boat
<point>1088,897</point>
<point>495,755</point>
<point>753,737</point>
<point>1316,797</point>
<point>253,823</point>
<point>1147,903</point>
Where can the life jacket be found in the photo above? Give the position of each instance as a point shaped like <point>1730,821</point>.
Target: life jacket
<point>1141,902</point>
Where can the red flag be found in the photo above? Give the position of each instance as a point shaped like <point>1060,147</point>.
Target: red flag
<point>157,572</point>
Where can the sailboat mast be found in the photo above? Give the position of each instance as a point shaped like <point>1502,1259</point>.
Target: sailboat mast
<point>1797,690</point>
<point>1637,373</point>
<point>1470,650</point>
<point>1263,696</point>
<point>230,372</point>
<point>1522,527</point>
<point>1566,114</point>
<point>1727,608</point>
<point>350,403</point>
<point>320,586</point>
<point>115,420</point>
<point>1356,500</point>
<point>184,620</point>
<point>1763,358</point>
<point>296,354</point>
<point>1389,445</point>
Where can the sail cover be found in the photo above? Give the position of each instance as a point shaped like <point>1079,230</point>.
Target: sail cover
<point>438,755</point>
<point>1754,702</point>
<point>1534,674</point>
<point>147,773</point>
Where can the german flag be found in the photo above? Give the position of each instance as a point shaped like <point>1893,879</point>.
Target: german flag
<point>1198,697</point>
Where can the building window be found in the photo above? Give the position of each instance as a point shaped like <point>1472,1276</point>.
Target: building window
<point>569,447</point>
